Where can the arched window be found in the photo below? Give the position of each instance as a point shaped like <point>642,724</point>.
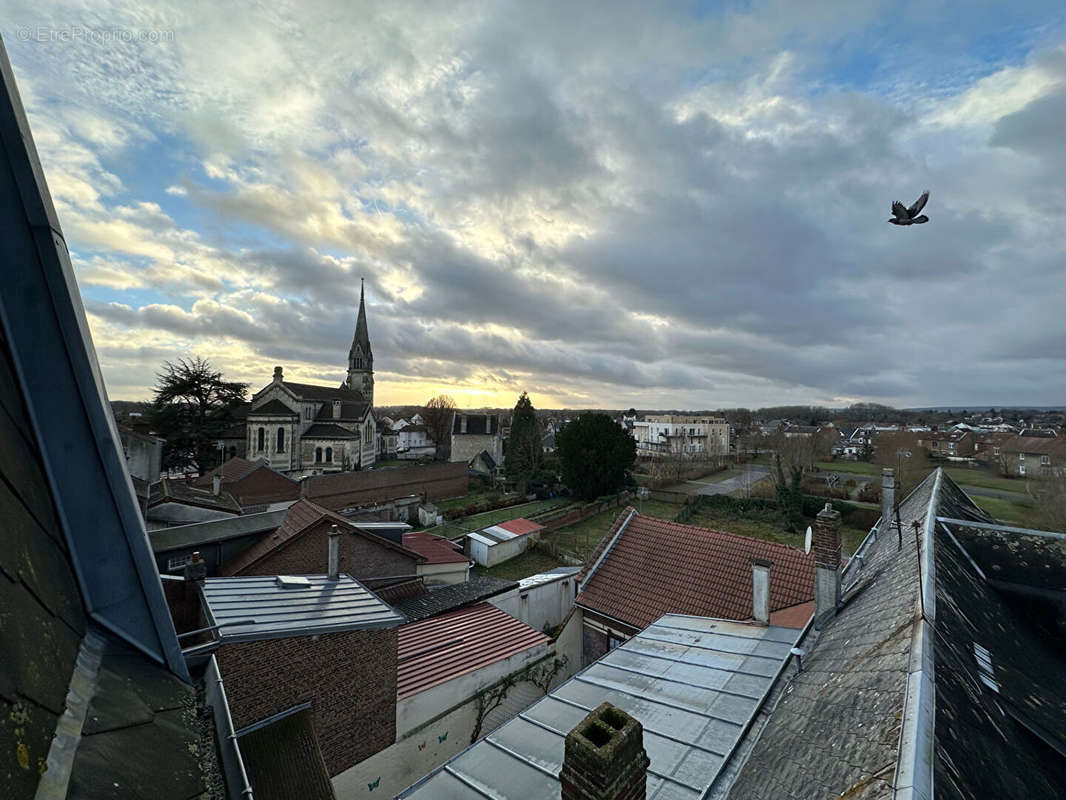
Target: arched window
<point>329,454</point>
<point>260,440</point>
<point>318,455</point>
<point>281,440</point>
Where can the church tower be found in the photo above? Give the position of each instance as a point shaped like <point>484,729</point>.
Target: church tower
<point>360,357</point>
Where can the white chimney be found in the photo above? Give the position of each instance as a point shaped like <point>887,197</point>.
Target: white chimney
<point>216,485</point>
<point>336,409</point>
<point>334,553</point>
<point>760,590</point>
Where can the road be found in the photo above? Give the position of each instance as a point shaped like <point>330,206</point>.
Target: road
<point>749,477</point>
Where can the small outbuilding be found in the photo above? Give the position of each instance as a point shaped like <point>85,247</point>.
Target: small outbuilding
<point>500,542</point>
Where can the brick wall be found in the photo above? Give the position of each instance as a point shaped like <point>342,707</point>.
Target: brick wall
<point>349,679</point>
<point>594,645</point>
<point>308,554</point>
<point>433,481</point>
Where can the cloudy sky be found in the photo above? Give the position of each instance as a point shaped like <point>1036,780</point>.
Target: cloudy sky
<point>660,205</point>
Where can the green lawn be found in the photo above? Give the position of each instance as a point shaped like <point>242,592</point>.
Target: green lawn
<point>977,477</point>
<point>765,528</point>
<point>529,563</point>
<point>467,499</point>
<point>581,538</point>
<point>1006,510</point>
<point>455,528</point>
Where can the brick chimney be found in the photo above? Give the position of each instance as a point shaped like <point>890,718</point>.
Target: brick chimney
<point>336,409</point>
<point>278,376</point>
<point>604,758</point>
<point>334,553</point>
<point>888,495</point>
<point>826,547</point>
<point>760,590</point>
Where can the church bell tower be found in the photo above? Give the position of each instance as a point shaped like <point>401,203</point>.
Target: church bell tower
<point>360,357</point>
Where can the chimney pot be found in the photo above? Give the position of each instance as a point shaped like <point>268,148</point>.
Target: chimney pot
<point>334,553</point>
<point>278,375</point>
<point>604,757</point>
<point>826,547</point>
<point>196,569</point>
<point>760,590</point>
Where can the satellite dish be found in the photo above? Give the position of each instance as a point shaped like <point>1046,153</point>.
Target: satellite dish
<point>807,541</point>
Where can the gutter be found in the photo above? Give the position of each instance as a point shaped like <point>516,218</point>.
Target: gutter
<point>914,756</point>
<point>237,783</point>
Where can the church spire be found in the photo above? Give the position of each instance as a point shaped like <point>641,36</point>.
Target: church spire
<point>360,357</point>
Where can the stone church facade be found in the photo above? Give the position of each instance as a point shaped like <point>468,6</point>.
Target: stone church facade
<point>306,428</point>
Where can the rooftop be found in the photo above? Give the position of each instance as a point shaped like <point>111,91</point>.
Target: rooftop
<point>693,683</point>
<point>438,649</point>
<point>440,599</point>
<point>232,469</point>
<point>504,531</point>
<point>313,604</point>
<point>541,578</point>
<point>646,567</point>
<point>435,549</point>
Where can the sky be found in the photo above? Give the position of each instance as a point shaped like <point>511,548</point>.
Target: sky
<point>668,205</point>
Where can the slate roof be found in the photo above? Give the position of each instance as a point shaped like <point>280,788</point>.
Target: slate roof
<point>476,424</point>
<point>351,411</point>
<point>283,760</point>
<point>655,567</point>
<point>320,606</point>
<point>301,516</point>
<point>434,549</point>
<point>441,599</point>
<point>436,650</point>
<point>169,490</point>
<point>312,391</point>
<point>215,530</point>
<point>693,683</point>
<point>273,408</point>
<point>1037,445</point>
<point>325,430</point>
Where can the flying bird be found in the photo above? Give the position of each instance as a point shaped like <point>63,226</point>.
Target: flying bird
<point>901,215</point>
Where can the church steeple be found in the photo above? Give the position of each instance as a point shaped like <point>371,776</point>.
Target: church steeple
<point>360,357</point>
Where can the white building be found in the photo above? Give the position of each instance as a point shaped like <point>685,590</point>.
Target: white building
<point>686,435</point>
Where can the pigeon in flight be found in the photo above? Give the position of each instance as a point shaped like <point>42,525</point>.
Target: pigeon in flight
<point>901,215</point>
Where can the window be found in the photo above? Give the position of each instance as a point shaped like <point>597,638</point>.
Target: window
<point>1021,469</point>
<point>995,451</point>
<point>318,455</point>
<point>260,440</point>
<point>357,362</point>
<point>1021,456</point>
<point>307,413</point>
<point>1045,460</point>
<point>178,562</point>
<point>281,440</point>
<point>329,454</point>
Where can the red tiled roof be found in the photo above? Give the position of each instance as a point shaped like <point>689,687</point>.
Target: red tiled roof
<point>657,567</point>
<point>302,515</point>
<point>436,650</point>
<point>435,549</point>
<point>518,526</point>
<point>795,616</point>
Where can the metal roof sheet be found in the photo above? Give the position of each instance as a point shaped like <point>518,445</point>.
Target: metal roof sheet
<point>322,607</point>
<point>692,682</point>
<point>438,649</point>
<point>557,574</point>
<point>498,533</point>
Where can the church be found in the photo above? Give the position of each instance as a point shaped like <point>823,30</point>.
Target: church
<point>305,428</point>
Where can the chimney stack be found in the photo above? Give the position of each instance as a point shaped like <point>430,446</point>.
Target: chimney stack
<point>826,546</point>
<point>336,409</point>
<point>334,553</point>
<point>278,378</point>
<point>888,495</point>
<point>216,485</point>
<point>604,758</point>
<point>760,590</point>
<point>196,569</point>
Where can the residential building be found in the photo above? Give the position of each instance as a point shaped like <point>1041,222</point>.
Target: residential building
<point>251,483</point>
<point>684,435</point>
<point>443,560</point>
<point>542,601</point>
<point>307,429</point>
<point>473,433</point>
<point>427,602</point>
<point>144,454</point>
<point>952,445</point>
<point>1034,456</point>
<point>388,439</point>
<point>646,567</point>
<point>413,442</point>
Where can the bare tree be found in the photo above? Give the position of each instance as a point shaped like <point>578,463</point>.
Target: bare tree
<point>1049,502</point>
<point>437,416</point>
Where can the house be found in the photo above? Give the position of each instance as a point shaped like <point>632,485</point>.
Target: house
<point>954,445</point>
<point>987,447</point>
<point>542,601</point>
<point>413,442</point>
<point>216,541</point>
<point>388,439</point>
<point>280,641</point>
<point>91,666</point>
<point>434,601</point>
<point>502,541</point>
<point>484,464</point>
<point>473,433</point>
<point>251,483</point>
<point>864,701</point>
<point>349,491</point>
<point>443,560</point>
<point>144,454</point>
<point>1034,456</point>
<point>300,547</point>
<point>646,567</point>
<point>459,675</point>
